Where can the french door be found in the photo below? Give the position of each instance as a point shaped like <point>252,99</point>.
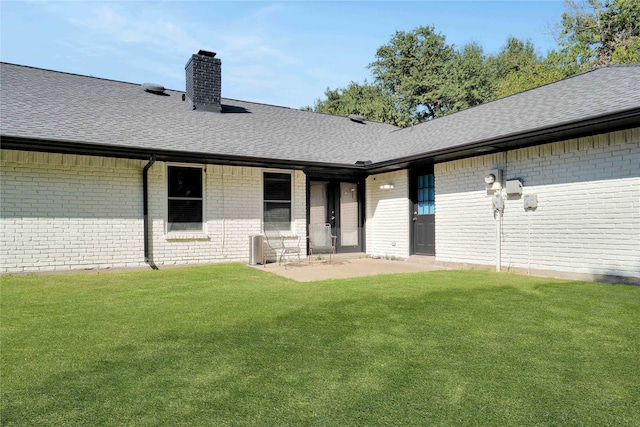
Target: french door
<point>338,203</point>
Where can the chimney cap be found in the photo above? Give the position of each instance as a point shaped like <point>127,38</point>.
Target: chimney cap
<point>207,53</point>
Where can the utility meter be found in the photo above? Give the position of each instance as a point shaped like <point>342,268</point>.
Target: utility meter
<point>493,179</point>
<point>489,178</point>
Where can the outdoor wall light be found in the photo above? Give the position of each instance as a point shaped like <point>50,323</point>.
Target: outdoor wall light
<point>386,187</point>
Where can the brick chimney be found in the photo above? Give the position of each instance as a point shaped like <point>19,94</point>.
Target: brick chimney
<point>204,81</point>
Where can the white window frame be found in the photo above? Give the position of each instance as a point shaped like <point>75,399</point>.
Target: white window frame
<point>173,234</point>
<point>292,201</point>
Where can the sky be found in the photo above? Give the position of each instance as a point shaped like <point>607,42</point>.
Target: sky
<point>283,53</point>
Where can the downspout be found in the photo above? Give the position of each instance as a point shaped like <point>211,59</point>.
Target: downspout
<point>145,209</point>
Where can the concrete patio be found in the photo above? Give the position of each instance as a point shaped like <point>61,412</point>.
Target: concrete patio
<point>349,265</point>
<point>358,265</point>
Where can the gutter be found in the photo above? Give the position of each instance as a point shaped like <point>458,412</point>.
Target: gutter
<point>13,142</point>
<point>145,210</point>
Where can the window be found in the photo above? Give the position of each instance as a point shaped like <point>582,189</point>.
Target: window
<point>277,201</point>
<point>426,195</point>
<point>185,198</point>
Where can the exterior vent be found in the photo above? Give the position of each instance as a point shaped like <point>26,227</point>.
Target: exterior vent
<point>356,118</point>
<point>153,88</point>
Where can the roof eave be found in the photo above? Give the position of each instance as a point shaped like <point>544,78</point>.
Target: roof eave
<point>575,129</point>
<point>592,126</point>
<point>12,142</point>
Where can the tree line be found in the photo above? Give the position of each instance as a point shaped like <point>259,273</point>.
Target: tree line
<point>417,76</point>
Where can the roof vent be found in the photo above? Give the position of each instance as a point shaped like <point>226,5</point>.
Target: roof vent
<point>356,118</point>
<point>153,88</point>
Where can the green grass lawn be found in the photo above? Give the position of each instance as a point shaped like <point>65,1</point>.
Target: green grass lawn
<point>232,345</point>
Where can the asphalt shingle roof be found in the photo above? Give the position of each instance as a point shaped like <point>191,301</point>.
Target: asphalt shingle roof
<point>50,105</point>
<point>594,94</point>
<point>44,104</point>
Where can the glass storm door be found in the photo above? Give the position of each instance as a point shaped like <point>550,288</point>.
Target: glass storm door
<point>349,221</point>
<point>318,203</point>
<point>338,203</point>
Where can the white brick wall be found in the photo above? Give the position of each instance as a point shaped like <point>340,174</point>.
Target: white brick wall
<point>588,215</point>
<point>387,219</point>
<point>61,212</point>
<point>233,212</point>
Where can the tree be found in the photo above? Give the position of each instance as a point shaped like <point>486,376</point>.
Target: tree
<point>470,80</point>
<point>518,68</point>
<point>413,68</point>
<point>368,101</point>
<point>418,76</point>
<point>598,34</point>
<point>515,56</point>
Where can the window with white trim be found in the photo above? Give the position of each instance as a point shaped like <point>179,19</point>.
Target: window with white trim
<point>185,201</point>
<point>277,201</point>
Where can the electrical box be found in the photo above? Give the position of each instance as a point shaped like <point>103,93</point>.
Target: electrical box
<point>530,202</point>
<point>514,187</point>
<point>498,203</point>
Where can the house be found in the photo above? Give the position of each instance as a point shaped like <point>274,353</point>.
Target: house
<point>101,174</point>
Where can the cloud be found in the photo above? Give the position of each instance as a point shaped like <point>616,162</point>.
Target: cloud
<point>107,18</point>
<point>255,48</point>
<point>130,27</point>
<point>267,12</point>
